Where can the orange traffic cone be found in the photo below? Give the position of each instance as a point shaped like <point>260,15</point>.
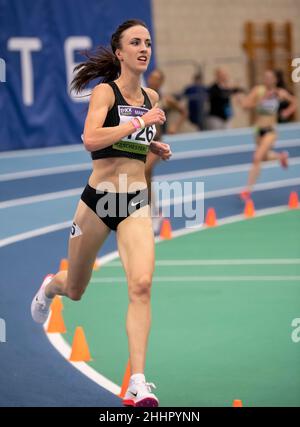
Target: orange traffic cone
<point>96,265</point>
<point>57,304</point>
<point>166,229</point>
<point>249,210</point>
<point>63,264</point>
<point>293,200</point>
<point>237,403</point>
<point>211,218</point>
<point>125,382</point>
<point>80,350</point>
<point>56,323</point>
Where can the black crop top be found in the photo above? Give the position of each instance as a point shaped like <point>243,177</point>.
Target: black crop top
<point>136,145</point>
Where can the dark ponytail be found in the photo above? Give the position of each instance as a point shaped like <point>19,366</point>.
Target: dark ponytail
<point>100,64</point>
<point>103,63</point>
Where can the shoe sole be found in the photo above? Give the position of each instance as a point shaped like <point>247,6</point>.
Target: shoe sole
<point>148,402</point>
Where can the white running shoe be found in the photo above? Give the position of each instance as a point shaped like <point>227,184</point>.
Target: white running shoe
<point>139,394</point>
<point>40,305</point>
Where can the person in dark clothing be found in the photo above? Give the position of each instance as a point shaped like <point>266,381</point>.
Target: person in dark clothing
<point>197,96</point>
<point>220,101</point>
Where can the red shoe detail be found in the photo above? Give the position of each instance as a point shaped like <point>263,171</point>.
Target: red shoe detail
<point>284,156</point>
<point>245,195</point>
<point>148,402</point>
<point>128,402</point>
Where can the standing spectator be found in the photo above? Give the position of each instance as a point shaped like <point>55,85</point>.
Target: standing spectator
<point>220,101</point>
<point>196,94</point>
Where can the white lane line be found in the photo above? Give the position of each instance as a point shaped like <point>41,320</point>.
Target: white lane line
<point>188,175</point>
<point>226,192</point>
<point>199,136</point>
<point>176,156</point>
<point>32,152</point>
<point>45,171</point>
<point>205,152</point>
<point>34,233</point>
<point>219,170</point>
<point>167,202</point>
<point>168,279</point>
<point>182,137</point>
<point>41,198</point>
<point>62,225</point>
<point>214,262</point>
<point>172,138</point>
<point>65,350</point>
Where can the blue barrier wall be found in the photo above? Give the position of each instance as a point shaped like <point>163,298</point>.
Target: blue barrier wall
<point>40,41</point>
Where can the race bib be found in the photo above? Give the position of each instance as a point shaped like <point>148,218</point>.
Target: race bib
<point>139,141</point>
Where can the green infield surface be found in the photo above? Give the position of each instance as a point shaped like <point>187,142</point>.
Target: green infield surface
<point>223,303</point>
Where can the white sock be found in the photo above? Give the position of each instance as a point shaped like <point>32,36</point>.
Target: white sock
<point>137,378</point>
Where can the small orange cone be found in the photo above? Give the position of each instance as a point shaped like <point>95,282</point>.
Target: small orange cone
<point>56,323</point>
<point>237,403</point>
<point>166,229</point>
<point>293,200</point>
<point>57,304</point>
<point>80,350</point>
<point>96,266</point>
<point>63,264</point>
<point>249,210</point>
<point>211,218</point>
<point>125,382</point>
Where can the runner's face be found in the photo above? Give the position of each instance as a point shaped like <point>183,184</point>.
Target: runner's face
<point>270,79</point>
<point>135,51</point>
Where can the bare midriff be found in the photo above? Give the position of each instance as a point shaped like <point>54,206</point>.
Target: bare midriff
<point>265,120</point>
<point>118,174</point>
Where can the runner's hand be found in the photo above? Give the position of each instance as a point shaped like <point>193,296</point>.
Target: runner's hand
<point>161,149</point>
